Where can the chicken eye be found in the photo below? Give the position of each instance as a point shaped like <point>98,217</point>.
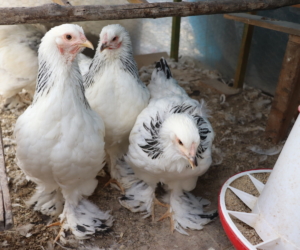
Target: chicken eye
<point>180,142</point>
<point>114,39</point>
<point>69,37</point>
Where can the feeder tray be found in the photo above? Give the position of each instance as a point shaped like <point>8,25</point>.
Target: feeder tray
<point>275,213</point>
<point>234,234</point>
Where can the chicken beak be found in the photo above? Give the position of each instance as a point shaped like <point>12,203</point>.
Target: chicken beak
<point>192,156</point>
<point>103,46</point>
<point>193,162</point>
<point>87,44</point>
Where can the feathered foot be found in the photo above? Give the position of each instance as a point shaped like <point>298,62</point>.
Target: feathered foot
<point>114,181</point>
<point>124,174</point>
<point>157,202</point>
<point>50,204</point>
<point>84,220</point>
<point>58,223</point>
<point>188,212</point>
<point>138,198</point>
<point>169,214</point>
<point>138,195</point>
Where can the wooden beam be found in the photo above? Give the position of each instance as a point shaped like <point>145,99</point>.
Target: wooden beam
<point>243,56</point>
<point>5,211</point>
<point>137,1</point>
<point>175,36</point>
<point>287,95</point>
<point>62,2</point>
<point>57,13</point>
<point>272,24</point>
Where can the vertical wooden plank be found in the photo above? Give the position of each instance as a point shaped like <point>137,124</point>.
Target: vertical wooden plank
<point>287,95</point>
<point>2,210</point>
<point>243,56</point>
<point>2,221</point>
<point>4,188</point>
<point>175,37</point>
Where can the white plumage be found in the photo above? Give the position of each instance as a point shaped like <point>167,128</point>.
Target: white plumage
<point>170,143</point>
<point>19,70</point>
<point>60,139</point>
<point>18,58</point>
<point>84,63</point>
<point>114,90</point>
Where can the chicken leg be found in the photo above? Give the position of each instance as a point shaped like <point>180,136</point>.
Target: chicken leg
<point>117,183</point>
<point>58,223</point>
<point>169,214</point>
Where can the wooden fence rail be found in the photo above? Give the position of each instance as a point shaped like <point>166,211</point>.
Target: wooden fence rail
<point>58,13</point>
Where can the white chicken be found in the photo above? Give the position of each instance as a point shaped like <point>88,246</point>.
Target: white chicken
<point>170,143</point>
<point>115,91</point>
<point>18,71</point>
<point>60,139</point>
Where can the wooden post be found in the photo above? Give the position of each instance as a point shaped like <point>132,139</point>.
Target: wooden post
<point>175,37</point>
<point>243,56</point>
<point>2,213</point>
<point>6,219</point>
<point>287,95</point>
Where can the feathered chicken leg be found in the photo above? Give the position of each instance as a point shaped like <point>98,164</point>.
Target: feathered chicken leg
<point>157,202</point>
<point>58,223</point>
<point>113,173</point>
<point>170,215</point>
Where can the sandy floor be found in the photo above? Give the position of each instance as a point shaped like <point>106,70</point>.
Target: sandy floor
<point>239,122</point>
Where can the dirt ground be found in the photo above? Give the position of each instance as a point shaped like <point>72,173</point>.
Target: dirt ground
<point>239,122</point>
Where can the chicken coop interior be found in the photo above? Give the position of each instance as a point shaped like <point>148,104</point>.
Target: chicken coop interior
<point>93,168</point>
